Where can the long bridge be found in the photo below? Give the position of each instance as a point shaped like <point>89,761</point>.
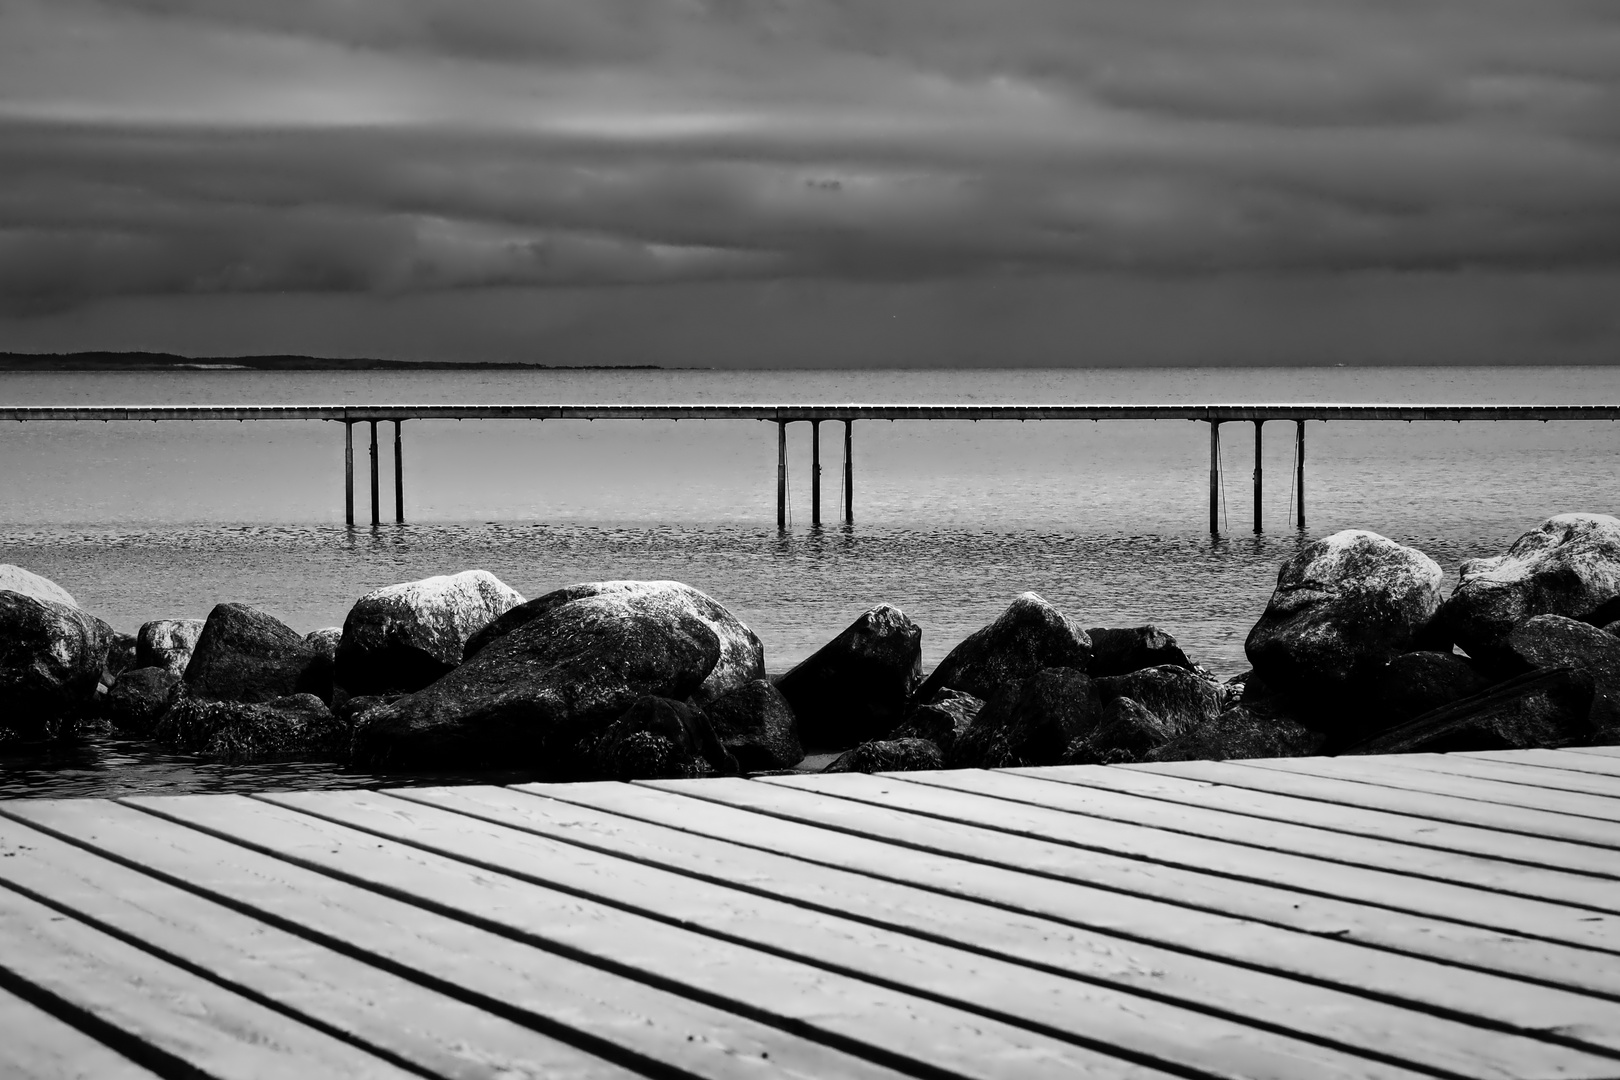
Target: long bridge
<point>815,415</point>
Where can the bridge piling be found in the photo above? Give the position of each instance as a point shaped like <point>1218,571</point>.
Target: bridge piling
<point>1299,469</point>
<point>781,475</point>
<point>399,475</point>
<point>1258,468</point>
<point>348,474</point>
<point>1214,478</point>
<point>815,473</point>
<point>375,519</point>
<point>849,472</point>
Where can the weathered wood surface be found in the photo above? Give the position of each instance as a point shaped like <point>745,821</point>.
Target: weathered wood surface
<point>1197,920</point>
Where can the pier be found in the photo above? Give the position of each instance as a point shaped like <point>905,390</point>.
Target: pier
<point>817,414</point>
<point>1400,917</point>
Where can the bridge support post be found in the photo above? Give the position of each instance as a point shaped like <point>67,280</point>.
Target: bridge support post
<point>348,473</point>
<point>1299,468</point>
<point>781,475</point>
<point>375,517</point>
<point>815,473</point>
<point>399,475</point>
<point>849,472</point>
<point>1258,472</point>
<point>1214,478</point>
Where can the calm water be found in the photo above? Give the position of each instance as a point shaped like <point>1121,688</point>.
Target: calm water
<point>1108,520</point>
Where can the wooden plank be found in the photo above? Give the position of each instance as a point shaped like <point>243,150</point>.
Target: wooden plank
<point>167,1018</point>
<point>1598,751</point>
<point>1334,1016</point>
<point>1388,772</point>
<point>603,1011</point>
<point>1088,1012</point>
<point>1033,786</point>
<point>1417,804</point>
<point>386,1014</point>
<point>1515,772</point>
<point>34,1045</point>
<point>872,1019</point>
<point>1481,950</point>
<point>1559,760</point>
<point>1524,918</point>
<point>1377,824</point>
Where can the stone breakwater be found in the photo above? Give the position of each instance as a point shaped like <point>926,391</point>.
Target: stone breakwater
<point>1359,650</point>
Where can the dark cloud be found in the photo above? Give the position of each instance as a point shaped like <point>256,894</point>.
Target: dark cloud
<point>388,147</point>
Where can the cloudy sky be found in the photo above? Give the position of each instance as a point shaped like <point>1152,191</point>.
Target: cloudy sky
<point>814,181</point>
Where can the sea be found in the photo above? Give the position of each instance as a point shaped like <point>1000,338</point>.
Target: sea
<point>1108,520</point>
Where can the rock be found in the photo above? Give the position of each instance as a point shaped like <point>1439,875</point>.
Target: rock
<point>889,755</point>
<point>1259,729</point>
<point>1416,682</point>
<point>1549,707</point>
<point>1550,641</point>
<point>1029,636</point>
<point>138,698</point>
<point>1569,566</point>
<point>1179,698</point>
<point>940,721</point>
<point>527,698</point>
<point>26,582</point>
<point>1031,722</point>
<point>1120,652</point>
<point>296,727</point>
<point>856,687</point>
<point>755,723</point>
<point>52,657</point>
<point>326,640</point>
<point>121,653</point>
<point>402,637</point>
<point>1343,606</point>
<point>1126,730</point>
<point>659,739</point>
<point>742,657</point>
<point>245,655</point>
<point>167,643</point>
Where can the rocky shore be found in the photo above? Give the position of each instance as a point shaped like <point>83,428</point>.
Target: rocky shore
<point>1359,650</point>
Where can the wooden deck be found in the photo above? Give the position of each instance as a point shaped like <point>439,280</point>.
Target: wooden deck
<point>1427,915</point>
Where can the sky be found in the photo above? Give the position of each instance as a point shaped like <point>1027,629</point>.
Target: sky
<point>815,182</point>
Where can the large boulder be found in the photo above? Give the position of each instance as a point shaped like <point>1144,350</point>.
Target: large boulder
<point>16,579</point>
<point>401,637</point>
<point>742,657</point>
<point>755,723</point>
<point>246,655</point>
<point>940,720</point>
<point>1343,606</point>
<point>1549,707</point>
<point>889,755</point>
<point>1414,683</point>
<point>51,661</point>
<point>528,698</point>
<point>1031,635</point>
<point>295,727</point>
<point>138,698</point>
<point>1031,722</point>
<point>1258,729</point>
<point>167,643</point>
<point>1122,651</point>
<point>1176,696</point>
<point>1550,641</point>
<point>659,739</point>
<point>1126,729</point>
<point>1569,566</point>
<point>856,687</point>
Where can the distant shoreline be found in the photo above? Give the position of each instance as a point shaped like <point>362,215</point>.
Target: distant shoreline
<point>154,361</point>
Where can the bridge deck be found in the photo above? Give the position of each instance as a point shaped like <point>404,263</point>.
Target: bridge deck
<point>827,411</point>
<point>1421,916</point>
